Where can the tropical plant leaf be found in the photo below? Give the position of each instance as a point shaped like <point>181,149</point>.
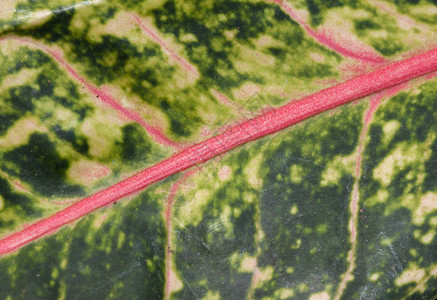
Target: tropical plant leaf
<point>342,205</point>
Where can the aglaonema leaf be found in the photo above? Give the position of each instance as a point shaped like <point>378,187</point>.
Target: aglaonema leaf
<point>342,205</point>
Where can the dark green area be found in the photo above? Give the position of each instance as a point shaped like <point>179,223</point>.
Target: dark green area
<point>374,254</point>
<point>199,260</point>
<point>21,204</point>
<point>314,241</point>
<point>213,53</point>
<point>91,271</point>
<point>135,145</point>
<point>387,47</point>
<point>22,58</point>
<point>39,164</point>
<point>365,24</point>
<point>250,20</point>
<point>21,100</point>
<point>389,259</point>
<point>80,144</point>
<point>417,121</point>
<point>203,252</point>
<point>119,56</point>
<point>7,120</point>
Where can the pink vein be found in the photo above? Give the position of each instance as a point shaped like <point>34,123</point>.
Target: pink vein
<point>169,225</point>
<point>154,132</point>
<point>324,39</point>
<point>155,37</point>
<point>397,15</point>
<point>373,106</point>
<point>265,124</point>
<point>183,62</point>
<point>374,103</point>
<point>228,102</point>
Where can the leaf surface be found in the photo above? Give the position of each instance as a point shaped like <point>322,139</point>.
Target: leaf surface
<point>340,206</point>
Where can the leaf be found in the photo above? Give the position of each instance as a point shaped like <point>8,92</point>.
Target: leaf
<point>341,205</point>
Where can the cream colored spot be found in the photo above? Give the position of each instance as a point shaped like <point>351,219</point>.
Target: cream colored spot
<point>248,264</point>
<point>246,91</point>
<point>320,296</point>
<point>120,25</point>
<point>87,172</point>
<point>266,41</point>
<point>427,205</point>
<point>428,237</point>
<point>389,130</point>
<point>285,293</point>
<point>225,173</point>
<point>100,136</point>
<point>265,274</point>
<point>402,156</point>
<point>412,274</point>
<point>317,57</point>
<point>192,212</point>
<point>252,172</point>
<point>188,38</point>
<point>330,177</point>
<point>36,18</point>
<point>16,79</point>
<point>374,277</point>
<point>8,9</point>
<point>20,132</point>
<point>2,203</point>
<point>248,197</point>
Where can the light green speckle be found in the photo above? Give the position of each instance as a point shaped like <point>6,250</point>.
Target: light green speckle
<point>252,172</point>
<point>296,174</point>
<point>297,244</point>
<point>386,242</point>
<point>302,288</point>
<point>293,209</point>
<point>55,273</point>
<point>427,238</point>
<point>120,240</point>
<point>322,228</point>
<point>374,277</point>
<point>212,296</point>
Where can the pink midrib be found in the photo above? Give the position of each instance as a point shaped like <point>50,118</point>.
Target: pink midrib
<point>268,123</point>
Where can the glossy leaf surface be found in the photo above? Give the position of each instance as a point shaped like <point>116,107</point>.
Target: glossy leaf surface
<point>340,206</point>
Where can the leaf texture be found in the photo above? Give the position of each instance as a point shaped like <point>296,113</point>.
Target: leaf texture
<point>340,206</point>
